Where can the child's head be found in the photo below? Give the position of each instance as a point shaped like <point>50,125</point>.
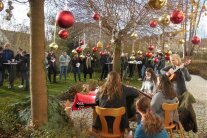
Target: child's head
<point>152,124</point>
<point>150,75</point>
<point>142,105</point>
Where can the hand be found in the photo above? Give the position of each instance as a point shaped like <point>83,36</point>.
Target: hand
<point>171,71</point>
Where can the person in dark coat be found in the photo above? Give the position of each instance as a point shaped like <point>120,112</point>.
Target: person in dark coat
<point>76,62</point>
<point>1,66</point>
<point>109,61</point>
<point>131,64</point>
<point>8,55</point>
<point>18,67</point>
<point>104,65</point>
<point>24,69</point>
<point>51,58</point>
<point>181,74</point>
<point>124,64</point>
<point>88,65</point>
<point>160,64</point>
<point>140,61</point>
<point>113,94</point>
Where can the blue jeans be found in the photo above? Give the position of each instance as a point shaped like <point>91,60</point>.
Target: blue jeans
<point>76,70</point>
<point>63,71</point>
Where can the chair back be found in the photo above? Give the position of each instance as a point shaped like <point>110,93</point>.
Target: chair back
<point>113,112</point>
<point>169,108</point>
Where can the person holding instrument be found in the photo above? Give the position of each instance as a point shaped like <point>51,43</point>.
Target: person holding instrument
<point>113,94</point>
<point>177,73</point>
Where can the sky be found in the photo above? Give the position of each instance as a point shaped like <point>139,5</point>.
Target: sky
<point>20,17</point>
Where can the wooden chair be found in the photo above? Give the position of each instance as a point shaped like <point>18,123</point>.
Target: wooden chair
<point>168,121</point>
<point>113,112</point>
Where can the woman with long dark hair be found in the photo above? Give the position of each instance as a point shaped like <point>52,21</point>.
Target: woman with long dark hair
<point>165,94</point>
<point>151,125</point>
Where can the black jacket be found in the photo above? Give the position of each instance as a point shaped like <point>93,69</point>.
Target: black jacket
<point>115,103</point>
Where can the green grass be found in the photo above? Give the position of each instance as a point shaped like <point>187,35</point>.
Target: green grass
<point>55,89</point>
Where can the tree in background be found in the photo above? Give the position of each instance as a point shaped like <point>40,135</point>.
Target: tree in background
<point>120,18</point>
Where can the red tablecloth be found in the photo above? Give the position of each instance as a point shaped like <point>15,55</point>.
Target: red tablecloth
<point>84,98</point>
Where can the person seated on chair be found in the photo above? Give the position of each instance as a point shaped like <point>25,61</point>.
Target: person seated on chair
<point>113,94</point>
<point>151,125</point>
<point>165,94</point>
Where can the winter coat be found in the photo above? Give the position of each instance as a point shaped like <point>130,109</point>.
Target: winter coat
<point>186,112</point>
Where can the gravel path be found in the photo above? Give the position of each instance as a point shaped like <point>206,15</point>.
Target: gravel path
<point>197,86</point>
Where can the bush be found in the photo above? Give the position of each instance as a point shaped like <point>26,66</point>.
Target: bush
<point>78,87</point>
<point>15,119</point>
<point>198,67</point>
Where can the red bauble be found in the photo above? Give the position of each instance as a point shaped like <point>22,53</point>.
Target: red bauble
<point>167,57</point>
<point>147,54</point>
<point>196,40</point>
<point>81,42</point>
<point>101,53</point>
<point>63,34</point>
<point>108,46</point>
<point>79,49</point>
<point>153,23</point>
<point>176,16</point>
<point>151,47</point>
<point>65,19</point>
<point>156,60</point>
<point>96,16</point>
<point>95,49</point>
<point>150,55</point>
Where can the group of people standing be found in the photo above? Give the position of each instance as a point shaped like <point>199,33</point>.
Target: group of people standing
<point>13,65</point>
<point>129,64</point>
<point>161,89</point>
<point>64,61</point>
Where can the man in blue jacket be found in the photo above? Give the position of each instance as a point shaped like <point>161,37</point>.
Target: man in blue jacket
<point>7,56</point>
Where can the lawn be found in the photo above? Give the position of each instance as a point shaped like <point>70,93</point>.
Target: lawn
<point>54,89</point>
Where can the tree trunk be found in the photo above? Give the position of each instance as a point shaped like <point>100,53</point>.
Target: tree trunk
<point>37,72</point>
<point>116,56</point>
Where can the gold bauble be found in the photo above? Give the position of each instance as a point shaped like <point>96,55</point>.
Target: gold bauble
<point>169,52</point>
<point>1,5</point>
<point>74,51</point>
<point>82,56</point>
<point>53,45</point>
<point>99,44</point>
<point>139,52</point>
<point>181,41</point>
<point>164,20</point>
<point>132,57</point>
<point>134,35</point>
<point>157,4</point>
